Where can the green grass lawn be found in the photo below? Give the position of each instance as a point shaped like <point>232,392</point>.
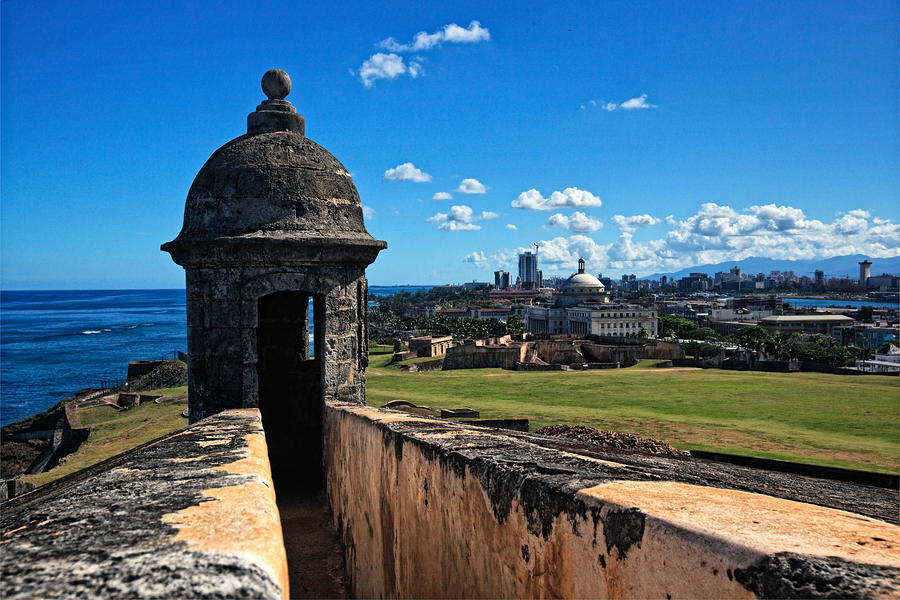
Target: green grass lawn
<point>838,420</point>
<point>114,432</point>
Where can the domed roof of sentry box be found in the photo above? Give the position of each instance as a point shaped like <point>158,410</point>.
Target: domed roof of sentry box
<point>272,187</point>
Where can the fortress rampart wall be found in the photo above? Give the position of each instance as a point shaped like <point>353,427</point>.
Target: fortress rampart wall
<point>432,508</point>
<point>428,508</point>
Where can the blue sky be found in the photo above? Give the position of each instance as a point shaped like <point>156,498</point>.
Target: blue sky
<point>644,136</point>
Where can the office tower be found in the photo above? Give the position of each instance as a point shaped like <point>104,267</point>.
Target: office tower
<point>528,270</point>
<point>865,271</point>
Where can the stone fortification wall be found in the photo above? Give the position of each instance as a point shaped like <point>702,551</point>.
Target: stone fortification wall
<point>560,350</point>
<point>191,515</point>
<point>470,356</point>
<point>428,508</point>
<point>137,368</point>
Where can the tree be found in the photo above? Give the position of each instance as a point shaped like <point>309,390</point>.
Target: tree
<point>676,326</point>
<point>752,338</point>
<point>643,333</point>
<point>864,314</point>
<point>784,346</point>
<point>826,350</point>
<point>703,333</point>
<point>700,349</point>
<point>515,324</point>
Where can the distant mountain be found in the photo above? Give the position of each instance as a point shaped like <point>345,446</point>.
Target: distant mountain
<point>837,266</point>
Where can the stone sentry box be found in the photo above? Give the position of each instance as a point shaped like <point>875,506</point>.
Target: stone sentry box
<point>272,223</point>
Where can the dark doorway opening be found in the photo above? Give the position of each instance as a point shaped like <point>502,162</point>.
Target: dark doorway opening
<point>290,387</point>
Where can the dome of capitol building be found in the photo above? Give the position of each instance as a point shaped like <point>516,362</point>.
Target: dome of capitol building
<point>579,288</point>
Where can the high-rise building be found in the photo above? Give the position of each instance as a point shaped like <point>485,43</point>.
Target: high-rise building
<point>498,276</point>
<point>865,271</point>
<point>528,270</point>
<point>820,278</point>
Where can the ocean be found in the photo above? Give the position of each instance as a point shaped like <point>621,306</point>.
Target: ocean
<point>54,343</point>
<point>820,303</point>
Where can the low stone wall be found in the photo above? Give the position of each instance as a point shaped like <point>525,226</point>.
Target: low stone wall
<point>428,508</point>
<point>191,515</point>
<point>421,367</point>
<point>139,368</point>
<point>470,356</point>
<point>559,350</point>
<point>523,366</point>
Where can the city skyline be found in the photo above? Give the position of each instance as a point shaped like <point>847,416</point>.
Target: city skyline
<point>644,137</point>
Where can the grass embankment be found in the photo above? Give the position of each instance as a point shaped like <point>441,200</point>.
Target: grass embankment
<point>837,420</point>
<point>114,432</point>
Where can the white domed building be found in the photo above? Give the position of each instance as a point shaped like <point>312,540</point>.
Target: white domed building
<point>583,306</point>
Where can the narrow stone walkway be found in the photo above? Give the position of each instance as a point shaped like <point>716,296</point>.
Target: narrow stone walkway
<point>314,553</point>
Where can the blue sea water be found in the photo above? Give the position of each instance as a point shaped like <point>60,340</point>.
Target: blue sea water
<point>387,290</point>
<point>820,303</point>
<point>54,343</point>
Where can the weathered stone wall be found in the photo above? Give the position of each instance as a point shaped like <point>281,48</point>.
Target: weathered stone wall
<point>470,356</point>
<point>566,351</point>
<point>428,365</point>
<point>223,315</point>
<point>191,515</point>
<point>428,508</point>
<point>137,368</point>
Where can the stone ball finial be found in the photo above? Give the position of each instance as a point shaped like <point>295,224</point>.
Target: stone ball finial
<point>276,84</point>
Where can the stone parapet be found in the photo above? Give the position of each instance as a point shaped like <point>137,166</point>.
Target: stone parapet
<point>191,515</point>
<point>428,508</point>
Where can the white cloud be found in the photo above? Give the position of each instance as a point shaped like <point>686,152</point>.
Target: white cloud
<point>511,226</point>
<point>477,258</point>
<point>442,196</point>
<point>368,212</point>
<point>850,223</point>
<point>471,186</point>
<point>718,233</point>
<point>630,104</point>
<point>634,222</point>
<point>460,218</point>
<point>569,197</point>
<point>562,254</point>
<point>473,33</point>
<point>639,102</point>
<point>579,222</point>
<point>623,250</point>
<point>449,33</point>
<point>388,66</point>
<point>407,172</point>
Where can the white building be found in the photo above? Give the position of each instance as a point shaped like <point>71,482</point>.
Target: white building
<point>582,305</point>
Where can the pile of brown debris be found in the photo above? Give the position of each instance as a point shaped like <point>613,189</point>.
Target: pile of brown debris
<point>610,439</point>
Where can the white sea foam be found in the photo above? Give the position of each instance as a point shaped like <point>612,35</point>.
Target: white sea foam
<point>91,331</point>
